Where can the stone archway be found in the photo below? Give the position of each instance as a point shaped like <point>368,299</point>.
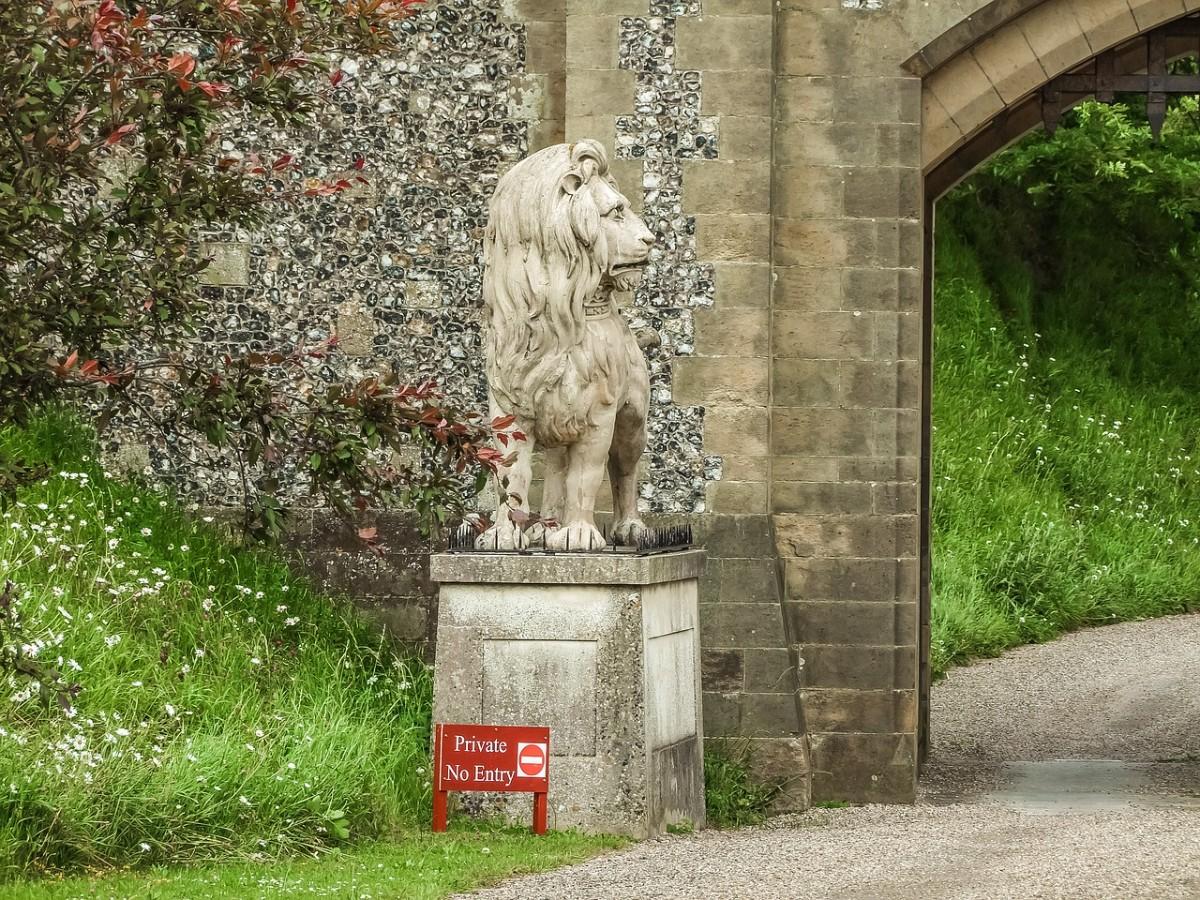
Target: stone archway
<point>985,87</point>
<point>972,80</point>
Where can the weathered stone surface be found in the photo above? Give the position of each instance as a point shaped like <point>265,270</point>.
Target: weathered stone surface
<point>611,667</point>
<point>1010,64</point>
<point>740,187</point>
<point>724,43</point>
<point>771,671</point>
<point>739,333</point>
<point>745,625</point>
<point>821,498</point>
<point>547,46</point>
<point>864,768</point>
<point>770,715</point>
<point>574,568</point>
<point>848,623</point>
<point>749,581</point>
<point>861,668</point>
<point>823,335</point>
<point>737,430</point>
<point>743,284</point>
<point>860,711</point>
<point>739,93</point>
<point>729,497</point>
<point>856,579</point>
<point>723,670</point>
<point>740,238</point>
<point>746,138</point>
<point>805,382</point>
<point>721,380</point>
<point>862,536</point>
<point>229,264</point>
<point>355,331</point>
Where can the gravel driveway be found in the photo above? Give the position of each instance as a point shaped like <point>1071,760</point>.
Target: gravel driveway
<point>1066,770</point>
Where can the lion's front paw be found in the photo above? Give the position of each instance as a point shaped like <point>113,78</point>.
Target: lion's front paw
<point>629,532</point>
<point>576,536</point>
<point>536,534</point>
<point>502,536</point>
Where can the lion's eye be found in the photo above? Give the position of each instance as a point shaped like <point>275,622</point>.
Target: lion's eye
<point>617,212</point>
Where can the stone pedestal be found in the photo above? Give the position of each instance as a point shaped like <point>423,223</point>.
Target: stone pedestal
<point>604,649</point>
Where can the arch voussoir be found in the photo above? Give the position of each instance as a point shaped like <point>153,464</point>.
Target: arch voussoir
<point>1010,63</point>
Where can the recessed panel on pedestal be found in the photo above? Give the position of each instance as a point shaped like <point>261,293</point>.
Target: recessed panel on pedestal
<point>543,682</point>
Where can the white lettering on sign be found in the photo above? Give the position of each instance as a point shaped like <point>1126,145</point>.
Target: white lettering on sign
<point>472,745</point>
<point>495,776</point>
<point>481,773</point>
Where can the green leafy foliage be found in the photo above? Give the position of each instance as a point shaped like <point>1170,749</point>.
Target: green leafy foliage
<point>733,796</point>
<point>1065,386</point>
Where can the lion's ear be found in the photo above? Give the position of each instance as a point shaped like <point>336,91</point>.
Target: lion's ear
<point>571,182</point>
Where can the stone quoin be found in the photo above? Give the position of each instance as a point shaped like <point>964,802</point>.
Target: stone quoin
<point>786,157</point>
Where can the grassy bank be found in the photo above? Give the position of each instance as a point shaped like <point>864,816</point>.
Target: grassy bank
<point>1066,413</point>
<point>225,709</point>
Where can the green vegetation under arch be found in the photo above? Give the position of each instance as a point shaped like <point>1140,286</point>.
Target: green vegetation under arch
<point>1066,413</point>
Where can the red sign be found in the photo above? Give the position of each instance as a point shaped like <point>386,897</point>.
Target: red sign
<point>491,758</point>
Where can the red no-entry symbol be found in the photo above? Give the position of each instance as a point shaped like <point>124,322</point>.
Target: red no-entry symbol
<point>531,760</point>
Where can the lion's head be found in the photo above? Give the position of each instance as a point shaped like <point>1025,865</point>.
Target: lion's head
<point>560,236</point>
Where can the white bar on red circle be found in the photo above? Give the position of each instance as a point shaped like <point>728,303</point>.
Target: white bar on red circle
<point>532,760</point>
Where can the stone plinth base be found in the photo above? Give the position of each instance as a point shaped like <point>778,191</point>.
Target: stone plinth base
<point>603,649</point>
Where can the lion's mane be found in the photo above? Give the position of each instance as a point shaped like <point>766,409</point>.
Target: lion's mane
<point>544,257</point>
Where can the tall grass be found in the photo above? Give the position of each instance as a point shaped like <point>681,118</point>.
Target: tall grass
<point>226,709</point>
<point>1066,417</point>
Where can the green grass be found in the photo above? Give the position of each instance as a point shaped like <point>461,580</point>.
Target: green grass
<point>418,867</point>
<point>227,710</point>
<point>1066,488</point>
<point>733,797</point>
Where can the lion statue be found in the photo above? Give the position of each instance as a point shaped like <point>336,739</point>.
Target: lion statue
<point>560,240</point>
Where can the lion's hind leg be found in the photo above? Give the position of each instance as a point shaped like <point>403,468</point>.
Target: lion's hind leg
<point>629,440</point>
